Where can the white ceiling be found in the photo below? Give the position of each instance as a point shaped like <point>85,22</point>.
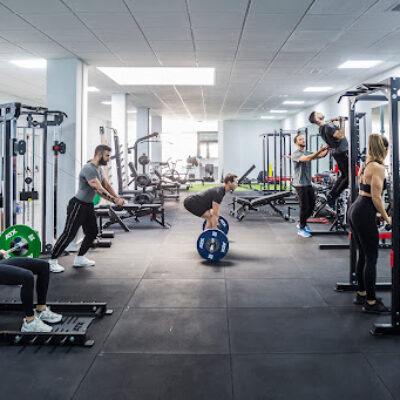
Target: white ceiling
<point>261,49</point>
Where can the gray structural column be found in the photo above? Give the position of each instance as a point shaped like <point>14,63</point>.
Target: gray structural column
<point>66,91</point>
<point>155,146</point>
<point>119,122</point>
<point>142,129</point>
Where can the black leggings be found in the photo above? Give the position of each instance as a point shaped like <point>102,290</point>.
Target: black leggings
<point>306,198</point>
<point>79,214</point>
<point>21,271</point>
<point>342,182</point>
<point>362,218</point>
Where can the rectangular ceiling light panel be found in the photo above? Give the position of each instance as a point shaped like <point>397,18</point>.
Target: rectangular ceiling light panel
<point>359,64</point>
<point>317,89</point>
<point>31,64</point>
<point>293,102</point>
<point>160,76</point>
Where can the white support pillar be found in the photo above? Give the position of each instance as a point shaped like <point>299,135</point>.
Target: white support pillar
<point>66,91</point>
<point>119,122</point>
<point>142,129</point>
<point>155,146</point>
<point>221,171</point>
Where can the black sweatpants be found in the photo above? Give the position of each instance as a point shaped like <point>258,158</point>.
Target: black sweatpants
<point>306,198</point>
<point>79,214</point>
<point>342,182</point>
<point>362,219</point>
<point>21,271</point>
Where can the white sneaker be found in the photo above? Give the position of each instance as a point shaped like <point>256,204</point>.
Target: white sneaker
<point>82,261</point>
<point>55,266</point>
<point>36,325</point>
<point>48,316</point>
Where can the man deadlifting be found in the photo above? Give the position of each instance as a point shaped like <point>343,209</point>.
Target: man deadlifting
<point>206,204</point>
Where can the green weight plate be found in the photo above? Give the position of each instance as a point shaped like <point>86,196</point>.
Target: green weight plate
<point>96,199</point>
<point>21,233</point>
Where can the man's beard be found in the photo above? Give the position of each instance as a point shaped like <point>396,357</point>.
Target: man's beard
<point>303,146</point>
<point>102,161</point>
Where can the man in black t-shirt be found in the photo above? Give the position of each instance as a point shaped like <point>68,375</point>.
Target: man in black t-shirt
<point>205,204</point>
<point>335,138</point>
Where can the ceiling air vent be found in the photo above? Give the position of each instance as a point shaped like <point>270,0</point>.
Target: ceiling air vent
<point>396,8</point>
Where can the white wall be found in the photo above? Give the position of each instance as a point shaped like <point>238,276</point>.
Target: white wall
<point>10,98</point>
<point>242,144</point>
<point>93,135</point>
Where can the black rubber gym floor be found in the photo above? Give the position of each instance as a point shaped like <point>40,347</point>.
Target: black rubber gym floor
<point>263,324</point>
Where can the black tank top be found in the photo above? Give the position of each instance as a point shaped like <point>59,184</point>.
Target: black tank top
<point>364,186</point>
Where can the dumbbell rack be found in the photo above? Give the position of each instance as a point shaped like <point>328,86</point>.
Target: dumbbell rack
<point>71,331</point>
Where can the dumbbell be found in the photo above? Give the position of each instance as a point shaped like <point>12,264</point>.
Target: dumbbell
<point>213,244</point>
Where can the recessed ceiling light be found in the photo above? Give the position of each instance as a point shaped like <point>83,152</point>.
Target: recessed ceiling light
<point>92,89</point>
<point>360,64</point>
<point>160,76</point>
<point>33,63</point>
<point>317,89</point>
<point>283,95</point>
<point>278,111</point>
<point>106,103</point>
<point>293,102</point>
<point>131,111</point>
<point>268,117</point>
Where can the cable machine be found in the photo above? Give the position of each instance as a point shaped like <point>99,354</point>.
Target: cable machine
<point>14,146</point>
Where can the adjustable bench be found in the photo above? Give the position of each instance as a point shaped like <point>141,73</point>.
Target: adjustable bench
<point>241,205</point>
<point>117,214</point>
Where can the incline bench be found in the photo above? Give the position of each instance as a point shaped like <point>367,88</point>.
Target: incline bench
<point>241,205</point>
<point>117,214</point>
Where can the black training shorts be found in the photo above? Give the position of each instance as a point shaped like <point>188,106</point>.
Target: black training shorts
<point>190,205</point>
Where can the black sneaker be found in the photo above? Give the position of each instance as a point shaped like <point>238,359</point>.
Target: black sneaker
<point>359,300</point>
<point>377,308</point>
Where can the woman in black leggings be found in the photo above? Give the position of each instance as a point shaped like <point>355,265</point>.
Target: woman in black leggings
<point>362,217</point>
<point>21,271</point>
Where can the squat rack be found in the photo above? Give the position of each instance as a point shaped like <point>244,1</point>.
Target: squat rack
<point>386,91</point>
<point>285,143</point>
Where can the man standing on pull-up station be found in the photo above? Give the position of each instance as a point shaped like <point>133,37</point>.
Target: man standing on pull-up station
<point>335,138</point>
<point>80,210</point>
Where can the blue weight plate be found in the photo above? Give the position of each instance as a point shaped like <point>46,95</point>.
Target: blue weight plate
<point>212,245</point>
<point>223,225</point>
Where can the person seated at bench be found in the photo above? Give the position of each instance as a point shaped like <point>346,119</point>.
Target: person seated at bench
<point>21,271</point>
<point>205,204</point>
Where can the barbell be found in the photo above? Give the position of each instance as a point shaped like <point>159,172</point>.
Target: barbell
<point>222,225</point>
<point>213,244</point>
